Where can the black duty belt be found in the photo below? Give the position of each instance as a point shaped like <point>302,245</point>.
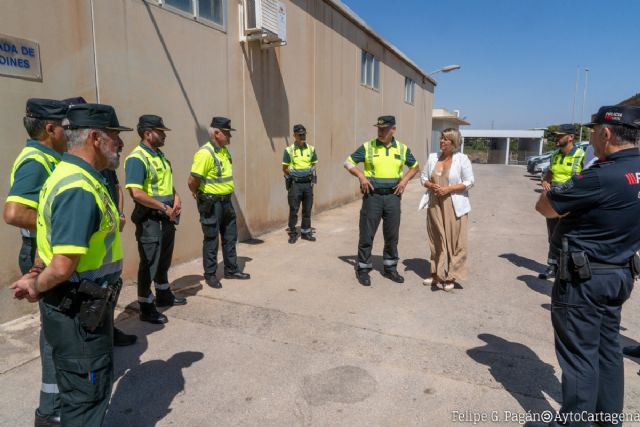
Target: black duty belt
<point>602,265</point>
<point>302,179</point>
<point>384,191</point>
<point>214,198</point>
<point>55,296</point>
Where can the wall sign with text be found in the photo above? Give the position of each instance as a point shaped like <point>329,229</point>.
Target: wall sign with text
<point>19,58</point>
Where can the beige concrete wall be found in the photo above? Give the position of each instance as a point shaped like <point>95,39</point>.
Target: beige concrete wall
<point>150,60</point>
<point>66,54</point>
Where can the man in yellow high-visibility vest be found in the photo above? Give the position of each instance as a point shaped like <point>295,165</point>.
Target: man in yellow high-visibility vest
<point>149,179</point>
<point>299,167</point>
<point>565,162</point>
<point>78,240</point>
<point>382,184</point>
<point>32,167</point>
<point>211,184</point>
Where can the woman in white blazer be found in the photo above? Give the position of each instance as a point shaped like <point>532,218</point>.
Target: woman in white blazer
<point>447,177</point>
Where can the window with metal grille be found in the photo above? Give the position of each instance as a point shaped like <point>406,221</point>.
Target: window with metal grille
<point>409,91</point>
<point>370,71</point>
<point>206,11</point>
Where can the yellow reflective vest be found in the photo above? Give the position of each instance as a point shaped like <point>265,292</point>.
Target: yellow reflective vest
<point>31,151</point>
<point>214,167</point>
<point>301,160</point>
<point>564,166</point>
<point>158,182</point>
<point>104,255</point>
<point>382,169</point>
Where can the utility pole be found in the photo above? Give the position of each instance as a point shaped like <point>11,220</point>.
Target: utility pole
<point>584,99</point>
<point>575,94</point>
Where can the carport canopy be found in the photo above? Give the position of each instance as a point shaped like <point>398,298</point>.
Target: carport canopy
<point>499,145</point>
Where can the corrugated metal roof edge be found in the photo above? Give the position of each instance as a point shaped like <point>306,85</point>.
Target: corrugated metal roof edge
<point>454,119</point>
<point>353,17</point>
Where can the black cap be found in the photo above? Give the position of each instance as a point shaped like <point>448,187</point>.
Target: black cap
<point>385,121</point>
<point>95,116</point>
<point>51,109</point>
<point>74,101</point>
<point>566,129</point>
<point>151,121</point>
<point>221,123</point>
<point>299,129</point>
<point>617,115</point>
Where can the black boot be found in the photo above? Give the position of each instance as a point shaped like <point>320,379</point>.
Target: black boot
<point>308,236</point>
<point>213,282</point>
<point>363,277</point>
<point>166,298</point>
<point>46,420</point>
<point>149,313</point>
<point>120,339</point>
<point>293,235</point>
<point>549,273</point>
<point>393,275</point>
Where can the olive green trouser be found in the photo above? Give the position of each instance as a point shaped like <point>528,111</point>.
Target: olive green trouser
<point>84,365</point>
<point>49,396</point>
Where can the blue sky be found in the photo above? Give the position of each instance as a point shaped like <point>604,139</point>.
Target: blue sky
<point>518,57</point>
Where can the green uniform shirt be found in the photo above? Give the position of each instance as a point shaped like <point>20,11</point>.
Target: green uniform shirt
<point>74,220</point>
<point>31,169</point>
<point>564,166</point>
<point>213,166</point>
<point>300,160</point>
<point>383,166</point>
<point>150,171</point>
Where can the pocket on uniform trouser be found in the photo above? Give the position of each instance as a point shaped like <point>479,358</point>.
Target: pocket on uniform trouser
<point>626,286</point>
<point>149,231</point>
<point>207,216</point>
<point>86,380</point>
<point>209,231</point>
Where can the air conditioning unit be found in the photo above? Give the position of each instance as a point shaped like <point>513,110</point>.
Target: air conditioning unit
<point>265,20</point>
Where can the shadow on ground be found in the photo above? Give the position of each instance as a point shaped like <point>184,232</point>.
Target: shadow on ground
<point>520,261</point>
<point>146,390</point>
<point>376,261</point>
<point>520,371</point>
<point>541,286</point>
<point>420,266</point>
<point>253,241</point>
<point>241,261</point>
<point>188,285</point>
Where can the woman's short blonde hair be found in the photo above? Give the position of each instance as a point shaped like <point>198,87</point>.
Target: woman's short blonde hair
<point>453,135</point>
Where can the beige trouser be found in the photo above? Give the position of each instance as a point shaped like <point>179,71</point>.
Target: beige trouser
<point>447,240</point>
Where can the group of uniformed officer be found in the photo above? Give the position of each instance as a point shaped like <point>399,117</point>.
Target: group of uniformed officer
<point>66,199</point>
<point>65,204</point>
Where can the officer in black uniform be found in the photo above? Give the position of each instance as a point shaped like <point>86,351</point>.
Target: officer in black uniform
<point>599,235</point>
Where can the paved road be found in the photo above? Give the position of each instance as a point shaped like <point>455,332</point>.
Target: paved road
<point>303,344</point>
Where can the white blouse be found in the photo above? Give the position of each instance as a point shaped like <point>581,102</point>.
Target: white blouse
<point>460,172</point>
